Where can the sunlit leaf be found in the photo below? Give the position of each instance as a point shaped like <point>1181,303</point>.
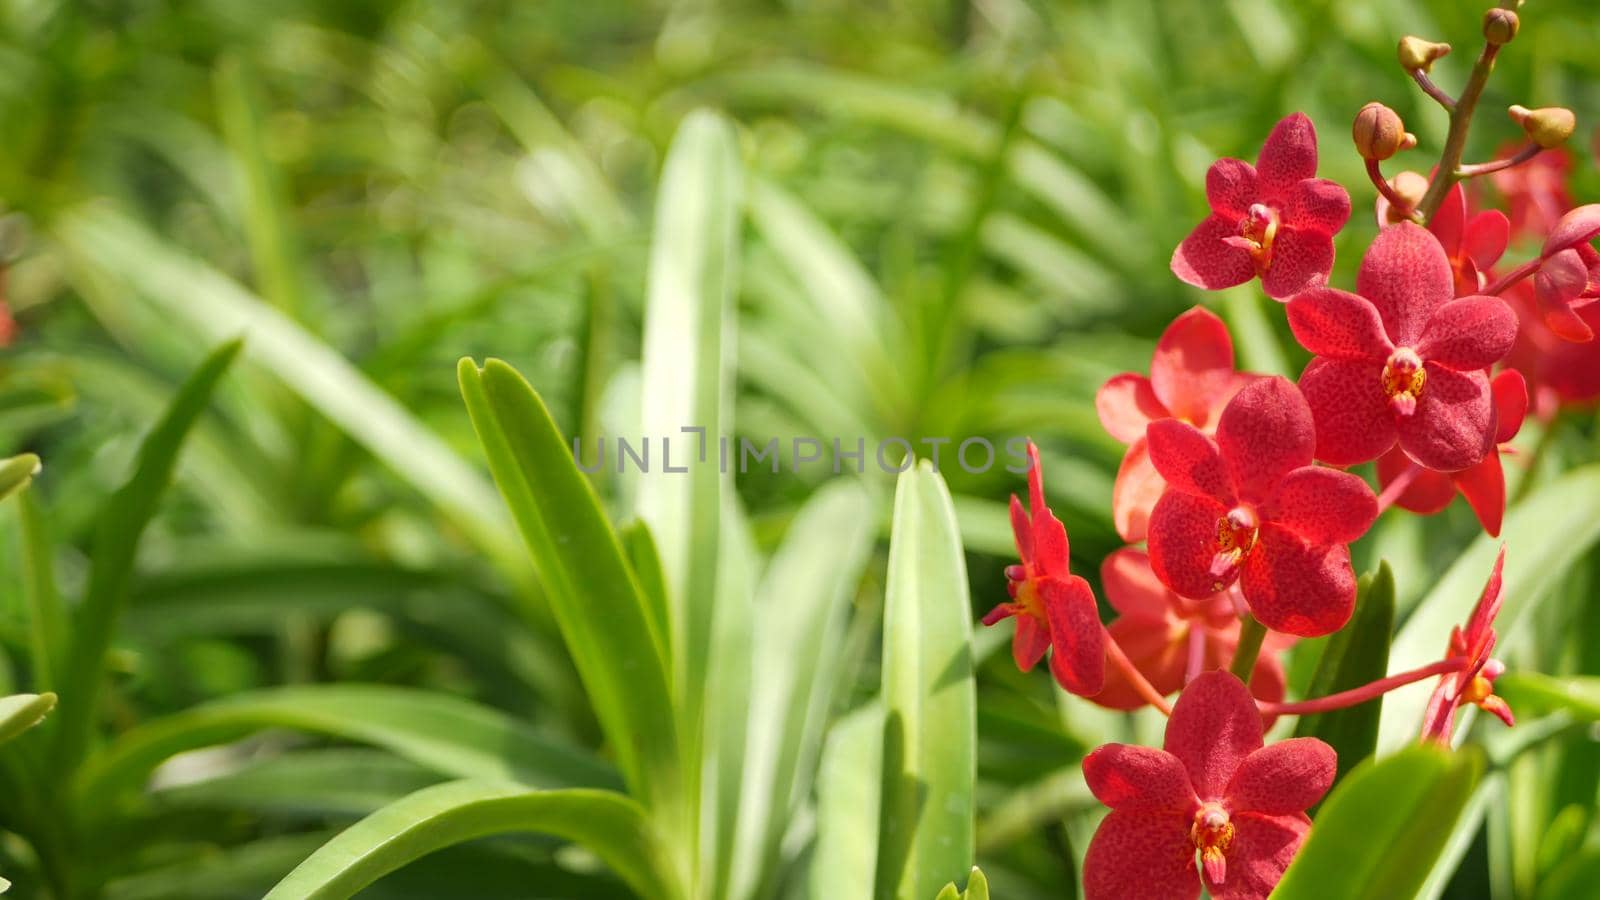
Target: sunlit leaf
<point>19,712</point>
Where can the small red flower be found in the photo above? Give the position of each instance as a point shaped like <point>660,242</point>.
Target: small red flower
<point>1400,359</point>
<point>1054,609</point>
<point>1249,506</point>
<point>1275,219</point>
<point>1215,789</point>
<point>1559,372</point>
<point>1569,275</point>
<point>1191,378</point>
<point>1536,191</point>
<point>1168,637</point>
<point>1483,484</point>
<point>1473,241</point>
<point>1475,683</point>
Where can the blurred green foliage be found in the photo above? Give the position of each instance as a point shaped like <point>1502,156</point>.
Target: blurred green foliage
<point>958,222</point>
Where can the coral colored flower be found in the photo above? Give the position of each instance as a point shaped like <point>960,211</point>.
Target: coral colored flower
<point>1275,219</point>
<point>1473,241</point>
<point>1484,484</point>
<point>1559,372</point>
<point>1569,275</point>
<point>1191,378</point>
<point>1400,360</point>
<point>1475,683</point>
<point>1170,638</point>
<point>1536,191</point>
<point>1250,507</point>
<point>1055,610</point>
<point>1213,789</point>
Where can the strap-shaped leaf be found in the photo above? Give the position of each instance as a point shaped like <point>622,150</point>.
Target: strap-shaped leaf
<point>1380,831</point>
<point>926,833</point>
<point>1354,656</point>
<point>16,472</point>
<point>19,712</point>
<point>116,541</point>
<point>452,736</point>
<point>849,779</point>
<point>603,613</point>
<point>612,826</point>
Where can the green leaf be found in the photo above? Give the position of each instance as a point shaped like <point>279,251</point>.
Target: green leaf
<point>19,712</point>
<point>608,824</point>
<point>926,831</point>
<point>799,628</point>
<point>1380,831</point>
<point>1574,879</point>
<point>17,472</point>
<point>452,736</point>
<point>116,541</point>
<point>849,782</point>
<point>687,382</point>
<point>603,613</point>
<point>1533,693</point>
<point>1354,656</point>
<point>977,888</point>
<point>1546,535</point>
<point>47,615</point>
<point>320,783</point>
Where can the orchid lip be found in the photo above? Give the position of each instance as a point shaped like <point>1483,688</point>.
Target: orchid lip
<point>1237,533</point>
<point>1259,228</point>
<point>1212,835</point>
<point>1403,379</point>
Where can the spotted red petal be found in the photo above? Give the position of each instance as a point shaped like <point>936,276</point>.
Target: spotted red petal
<point>1188,460</point>
<point>1578,226</point>
<point>1213,727</point>
<point>1453,426</point>
<point>1449,222</point>
<point>1481,622</point>
<point>1135,492</point>
<point>1509,391</point>
<point>1193,365</point>
<point>1288,157</point>
<point>1298,588</point>
<point>1126,404</point>
<point>1429,493</point>
<point>1317,205</point>
<point>1406,275</point>
<point>1300,260</point>
<point>1488,233</point>
<point>1323,506</point>
<point>1124,776</point>
<point>1282,778</point>
<point>1484,486</point>
<point>1338,325</point>
<point>1183,532</point>
<point>1351,411</point>
<point>1022,531</point>
<point>1265,432</point>
<point>1030,642</point>
<point>1263,847</point>
<point>1206,260</point>
<point>1231,186</point>
<point>1077,640</point>
<point>1469,333</point>
<point>1560,281</point>
<point>1137,855</point>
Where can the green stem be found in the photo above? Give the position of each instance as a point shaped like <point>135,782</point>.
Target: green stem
<point>1456,141</point>
<point>1251,634</point>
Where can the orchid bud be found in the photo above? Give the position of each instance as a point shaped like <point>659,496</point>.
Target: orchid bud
<point>1548,126</point>
<point>1378,132</point>
<point>1416,53</point>
<point>1500,26</point>
<point>1408,186</point>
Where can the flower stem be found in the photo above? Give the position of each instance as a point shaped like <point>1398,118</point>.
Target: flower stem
<point>1517,159</point>
<point>1141,685</point>
<point>1433,90</point>
<point>1398,486</point>
<point>1514,276</point>
<point>1456,141</point>
<point>1396,202</point>
<point>1365,692</point>
<point>1251,634</point>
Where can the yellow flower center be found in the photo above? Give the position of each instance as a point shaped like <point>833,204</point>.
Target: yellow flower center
<point>1237,533</point>
<point>1403,378</point>
<point>1260,227</point>
<point>1212,834</point>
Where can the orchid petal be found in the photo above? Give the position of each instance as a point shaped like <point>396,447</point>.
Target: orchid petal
<point>1265,432</point>
<point>1338,324</point>
<point>1125,776</point>
<point>1296,587</point>
<point>1453,426</point>
<point>1126,404</point>
<point>1406,275</point>
<point>1283,778</point>
<point>1469,333</point>
<point>1136,855</point>
<point>1206,260</point>
<point>1323,506</point>
<point>1351,411</point>
<point>1213,727</point>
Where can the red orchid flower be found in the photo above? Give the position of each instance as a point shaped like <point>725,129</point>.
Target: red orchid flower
<point>1171,639</point>
<point>1215,789</point>
<point>1484,484</point>
<point>1560,373</point>
<point>1400,359</point>
<point>1275,219</point>
<point>1475,683</point>
<point>1569,273</point>
<point>1191,378</point>
<point>1250,507</point>
<point>1536,191</point>
<point>1054,609</point>
<point>1473,241</point>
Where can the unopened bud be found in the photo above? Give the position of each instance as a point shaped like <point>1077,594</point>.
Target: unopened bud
<point>1408,186</point>
<point>1548,126</point>
<point>1416,53</point>
<point>1500,26</point>
<point>1378,132</point>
